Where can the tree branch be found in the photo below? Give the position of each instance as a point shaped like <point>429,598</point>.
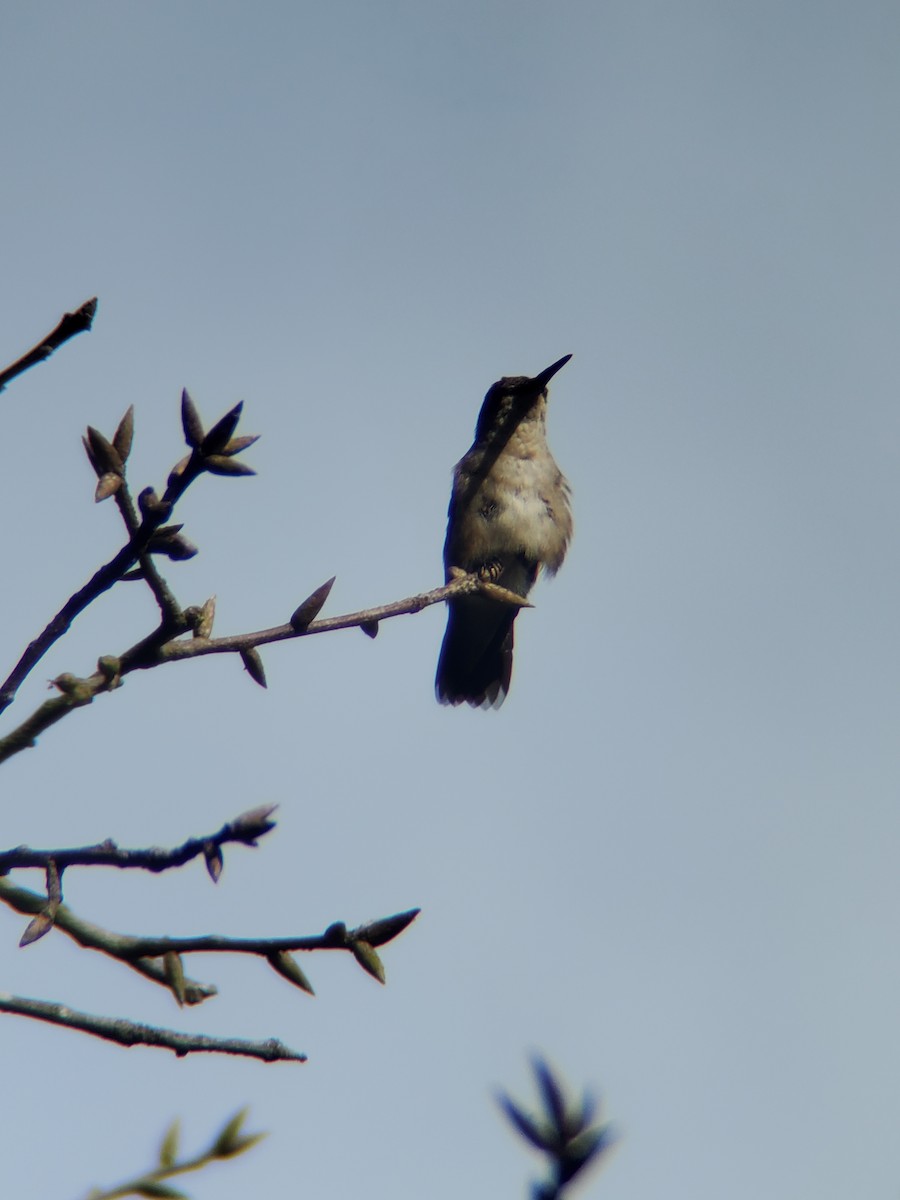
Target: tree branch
<point>94,937</point>
<point>72,323</point>
<point>153,956</point>
<point>245,829</point>
<point>131,1033</point>
<point>160,647</point>
<point>213,452</point>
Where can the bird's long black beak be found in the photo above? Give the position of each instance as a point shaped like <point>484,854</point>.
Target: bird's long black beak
<point>544,378</point>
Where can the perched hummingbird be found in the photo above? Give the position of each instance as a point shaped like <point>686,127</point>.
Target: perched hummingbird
<point>509,516</point>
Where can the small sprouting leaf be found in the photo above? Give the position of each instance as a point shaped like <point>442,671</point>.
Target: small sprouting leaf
<point>378,933</point>
<point>304,615</point>
<point>287,966</point>
<point>212,853</point>
<point>367,957</point>
<point>124,435</point>
<point>253,664</point>
<point>190,421</point>
<point>168,1150</point>
<point>220,434</point>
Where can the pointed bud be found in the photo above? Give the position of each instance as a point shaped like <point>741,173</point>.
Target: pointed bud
<point>204,625</point>
<point>370,628</point>
<point>221,464</point>
<point>37,927</point>
<point>220,434</point>
<point>212,853</point>
<point>287,966</point>
<point>92,458</point>
<point>303,616</point>
<point>190,421</point>
<point>378,933</point>
<point>173,969</point>
<point>254,665</point>
<point>104,451</point>
<point>367,957</point>
<point>124,435</point>
<point>237,444</point>
<point>252,824</point>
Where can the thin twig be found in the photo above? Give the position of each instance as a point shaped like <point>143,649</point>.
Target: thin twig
<point>131,1033</point>
<point>245,829</point>
<point>72,323</point>
<point>165,598</point>
<point>94,937</point>
<point>142,954</point>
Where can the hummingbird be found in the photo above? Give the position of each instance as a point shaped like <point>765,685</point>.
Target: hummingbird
<point>509,517</point>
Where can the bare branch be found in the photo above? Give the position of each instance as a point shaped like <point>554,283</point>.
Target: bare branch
<point>161,647</point>
<point>131,1033</point>
<point>72,323</point>
<point>245,829</point>
<point>94,937</point>
<point>145,954</point>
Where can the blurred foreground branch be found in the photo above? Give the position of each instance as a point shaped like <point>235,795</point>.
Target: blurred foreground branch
<point>564,1133</point>
<point>228,1143</point>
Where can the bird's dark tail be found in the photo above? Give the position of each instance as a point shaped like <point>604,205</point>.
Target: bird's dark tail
<point>475,665</point>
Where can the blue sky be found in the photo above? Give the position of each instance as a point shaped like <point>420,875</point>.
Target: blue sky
<point>670,860</point>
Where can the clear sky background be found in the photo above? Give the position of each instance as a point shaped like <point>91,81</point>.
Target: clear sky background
<point>670,860</point>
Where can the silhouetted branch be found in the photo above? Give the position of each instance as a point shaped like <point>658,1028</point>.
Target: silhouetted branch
<point>211,454</point>
<point>245,829</point>
<point>72,323</point>
<point>132,1033</point>
<point>154,957</point>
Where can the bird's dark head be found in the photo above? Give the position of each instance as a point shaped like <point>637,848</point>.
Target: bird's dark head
<point>509,400</point>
